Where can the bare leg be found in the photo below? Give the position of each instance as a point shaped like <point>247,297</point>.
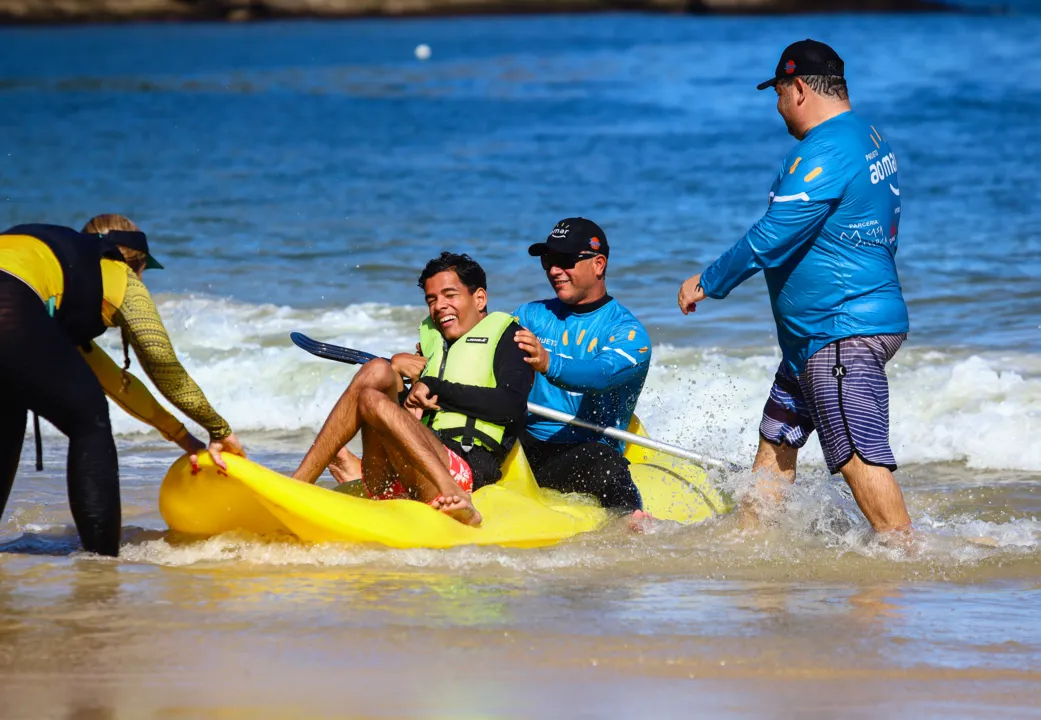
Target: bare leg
<point>378,472</point>
<point>344,421</point>
<point>878,496</point>
<point>418,458</point>
<point>775,467</point>
<point>778,460</point>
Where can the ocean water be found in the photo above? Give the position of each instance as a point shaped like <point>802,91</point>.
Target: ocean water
<point>296,176</point>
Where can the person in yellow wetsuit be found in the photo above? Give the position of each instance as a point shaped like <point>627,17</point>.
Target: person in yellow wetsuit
<point>60,289</point>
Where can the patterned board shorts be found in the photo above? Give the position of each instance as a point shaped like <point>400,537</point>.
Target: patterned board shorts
<point>457,466</point>
<point>844,394</point>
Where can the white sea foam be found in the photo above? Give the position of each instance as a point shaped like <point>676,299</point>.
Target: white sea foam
<point>947,406</point>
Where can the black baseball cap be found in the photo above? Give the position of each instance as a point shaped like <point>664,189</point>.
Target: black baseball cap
<point>806,57</point>
<point>572,236</point>
<point>135,240</point>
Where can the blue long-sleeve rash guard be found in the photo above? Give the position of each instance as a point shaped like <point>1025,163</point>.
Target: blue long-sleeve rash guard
<point>827,243</point>
<point>598,362</point>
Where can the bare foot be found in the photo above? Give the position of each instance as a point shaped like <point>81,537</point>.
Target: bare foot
<point>345,467</point>
<point>458,507</point>
<point>637,522</point>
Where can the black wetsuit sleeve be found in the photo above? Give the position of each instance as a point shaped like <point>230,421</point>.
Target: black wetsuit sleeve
<point>506,404</point>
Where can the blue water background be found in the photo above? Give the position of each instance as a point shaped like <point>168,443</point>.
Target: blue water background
<point>319,164</point>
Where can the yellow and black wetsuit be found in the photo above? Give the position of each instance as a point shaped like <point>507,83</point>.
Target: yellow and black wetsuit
<point>59,289</point>
<point>127,304</point>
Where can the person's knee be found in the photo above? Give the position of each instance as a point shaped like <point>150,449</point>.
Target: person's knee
<point>778,457</point>
<point>857,471</point>
<point>619,490</point>
<point>376,373</point>
<point>86,419</point>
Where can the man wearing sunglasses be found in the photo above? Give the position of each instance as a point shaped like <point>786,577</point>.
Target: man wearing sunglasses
<point>591,357</point>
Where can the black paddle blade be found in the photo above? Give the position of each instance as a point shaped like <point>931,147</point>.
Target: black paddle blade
<point>329,351</point>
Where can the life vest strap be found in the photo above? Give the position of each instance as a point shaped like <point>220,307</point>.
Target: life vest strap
<point>467,434</point>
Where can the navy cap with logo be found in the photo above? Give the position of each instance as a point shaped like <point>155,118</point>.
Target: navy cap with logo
<point>573,236</point>
<point>806,57</point>
<point>135,240</point>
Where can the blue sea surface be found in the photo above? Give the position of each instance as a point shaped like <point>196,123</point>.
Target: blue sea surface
<point>320,164</point>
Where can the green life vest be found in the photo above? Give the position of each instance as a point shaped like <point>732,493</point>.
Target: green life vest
<point>469,361</point>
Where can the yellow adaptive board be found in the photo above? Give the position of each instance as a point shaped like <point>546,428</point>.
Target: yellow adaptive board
<point>516,511</point>
<point>672,488</point>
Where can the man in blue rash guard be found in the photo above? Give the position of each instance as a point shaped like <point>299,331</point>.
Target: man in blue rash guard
<point>827,247</point>
<point>591,357</point>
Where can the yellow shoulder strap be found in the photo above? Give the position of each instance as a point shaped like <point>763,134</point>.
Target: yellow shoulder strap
<point>114,287</point>
<point>31,261</point>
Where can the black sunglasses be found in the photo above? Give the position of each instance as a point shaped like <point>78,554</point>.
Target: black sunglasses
<point>562,261</point>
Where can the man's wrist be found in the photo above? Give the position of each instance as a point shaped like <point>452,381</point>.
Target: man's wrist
<point>550,371</point>
<point>705,283</point>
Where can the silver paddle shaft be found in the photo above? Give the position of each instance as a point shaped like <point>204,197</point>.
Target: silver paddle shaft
<point>628,437</point>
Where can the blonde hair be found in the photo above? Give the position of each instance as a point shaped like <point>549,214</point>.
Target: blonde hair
<point>101,225</point>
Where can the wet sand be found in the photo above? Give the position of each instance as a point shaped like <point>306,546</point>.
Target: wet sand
<point>89,638</point>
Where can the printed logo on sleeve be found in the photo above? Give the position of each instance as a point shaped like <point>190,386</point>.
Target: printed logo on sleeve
<point>883,168</point>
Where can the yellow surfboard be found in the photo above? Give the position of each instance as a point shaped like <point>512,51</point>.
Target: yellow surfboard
<point>516,512</point>
<point>672,488</point>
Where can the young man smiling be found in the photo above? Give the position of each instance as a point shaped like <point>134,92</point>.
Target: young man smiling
<point>591,356</point>
<point>468,399</point>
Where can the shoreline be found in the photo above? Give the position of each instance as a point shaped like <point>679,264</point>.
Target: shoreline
<point>62,12</point>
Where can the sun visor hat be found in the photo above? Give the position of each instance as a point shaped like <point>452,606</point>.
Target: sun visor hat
<point>135,240</point>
